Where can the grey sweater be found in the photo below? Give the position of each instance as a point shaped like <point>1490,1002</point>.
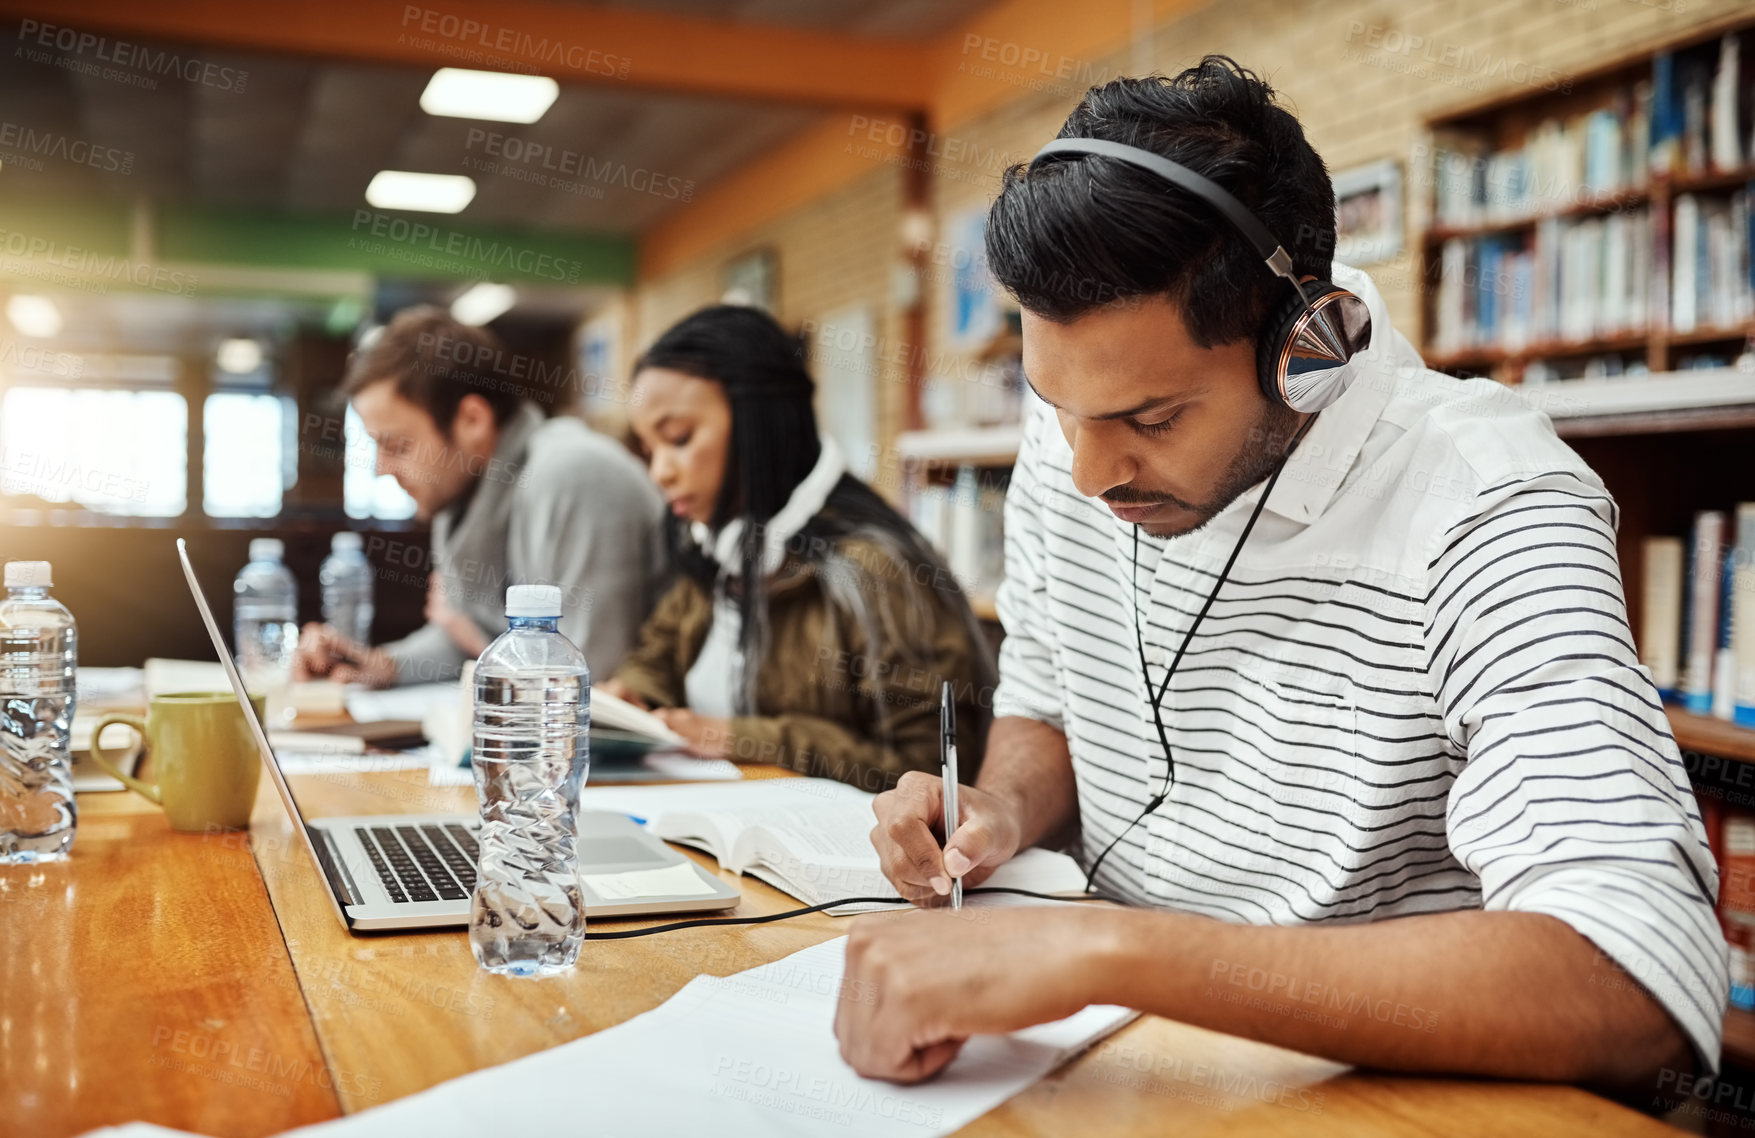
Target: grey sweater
<point>559,504</point>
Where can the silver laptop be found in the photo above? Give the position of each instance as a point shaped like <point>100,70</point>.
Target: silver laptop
<point>416,871</point>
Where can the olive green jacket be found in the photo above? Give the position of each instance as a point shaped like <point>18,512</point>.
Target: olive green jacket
<point>830,702</point>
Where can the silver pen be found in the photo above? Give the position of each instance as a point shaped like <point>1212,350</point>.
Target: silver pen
<point>947,721</point>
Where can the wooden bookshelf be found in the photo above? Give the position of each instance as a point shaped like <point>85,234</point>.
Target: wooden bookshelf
<point>1711,736</point>
<point>1487,357</point>
<point>1509,120</point>
<point>1739,1045</point>
<point>1602,203</point>
<point>1668,443</point>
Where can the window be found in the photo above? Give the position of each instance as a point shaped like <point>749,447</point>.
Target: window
<point>111,451</point>
<point>245,468</point>
<point>365,492</point>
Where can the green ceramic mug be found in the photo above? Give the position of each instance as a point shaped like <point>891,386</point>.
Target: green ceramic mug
<point>203,756</point>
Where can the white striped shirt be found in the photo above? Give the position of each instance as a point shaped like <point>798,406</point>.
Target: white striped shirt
<point>1416,692</point>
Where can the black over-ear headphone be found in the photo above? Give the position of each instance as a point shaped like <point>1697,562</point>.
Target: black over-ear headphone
<point>1301,358</point>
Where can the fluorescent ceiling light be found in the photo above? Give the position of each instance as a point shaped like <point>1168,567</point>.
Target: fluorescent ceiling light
<point>483,302</point>
<point>240,356</point>
<point>34,315</point>
<point>493,95</point>
<point>431,193</point>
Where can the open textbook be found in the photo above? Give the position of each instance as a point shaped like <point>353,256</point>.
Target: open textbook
<point>809,838</point>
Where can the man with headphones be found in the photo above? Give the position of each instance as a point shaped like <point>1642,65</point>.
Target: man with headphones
<point>1316,659</point>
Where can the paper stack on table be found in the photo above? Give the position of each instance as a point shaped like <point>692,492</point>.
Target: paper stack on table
<point>749,1054</point>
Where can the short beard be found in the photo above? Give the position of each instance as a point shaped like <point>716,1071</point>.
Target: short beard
<point>1262,450</point>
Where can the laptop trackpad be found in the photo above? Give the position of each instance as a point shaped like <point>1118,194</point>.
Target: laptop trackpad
<point>621,851</point>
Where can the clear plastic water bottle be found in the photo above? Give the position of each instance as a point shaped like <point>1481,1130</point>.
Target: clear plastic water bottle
<point>531,754</point>
<point>346,581</point>
<point>265,624</point>
<point>39,657</point>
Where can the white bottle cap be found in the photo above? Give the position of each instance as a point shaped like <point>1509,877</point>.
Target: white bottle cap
<point>533,600</point>
<point>346,541</point>
<point>28,575</point>
<point>266,549</point>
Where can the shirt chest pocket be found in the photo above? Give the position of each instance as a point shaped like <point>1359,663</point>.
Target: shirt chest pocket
<point>1289,738</point>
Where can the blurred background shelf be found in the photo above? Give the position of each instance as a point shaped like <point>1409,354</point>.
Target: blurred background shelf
<point>1711,736</point>
<point>961,446</point>
<point>1661,401</point>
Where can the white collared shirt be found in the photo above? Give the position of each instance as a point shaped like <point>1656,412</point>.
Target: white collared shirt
<point>1416,692</point>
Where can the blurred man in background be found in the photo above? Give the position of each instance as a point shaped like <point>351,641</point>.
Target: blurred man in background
<point>512,498</point>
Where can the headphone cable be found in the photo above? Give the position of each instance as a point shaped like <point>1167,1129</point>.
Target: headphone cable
<point>703,922</point>
<point>1157,799</point>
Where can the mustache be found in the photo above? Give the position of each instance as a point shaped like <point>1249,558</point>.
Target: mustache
<point>1129,496</point>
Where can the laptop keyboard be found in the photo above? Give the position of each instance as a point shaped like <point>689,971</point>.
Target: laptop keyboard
<point>431,862</point>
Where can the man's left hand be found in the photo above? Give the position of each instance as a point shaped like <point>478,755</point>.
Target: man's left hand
<point>920,983</point>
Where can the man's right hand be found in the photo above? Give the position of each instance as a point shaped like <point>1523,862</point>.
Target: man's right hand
<point>324,652</point>
<point>910,820</point>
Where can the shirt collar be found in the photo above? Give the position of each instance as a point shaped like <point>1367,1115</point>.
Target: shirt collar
<point>1334,440</point>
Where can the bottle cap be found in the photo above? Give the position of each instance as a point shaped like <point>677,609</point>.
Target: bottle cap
<point>29,575</point>
<point>266,549</point>
<point>533,600</point>
<point>346,541</point>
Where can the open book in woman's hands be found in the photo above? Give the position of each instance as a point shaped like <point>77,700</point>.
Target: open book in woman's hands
<point>618,714</point>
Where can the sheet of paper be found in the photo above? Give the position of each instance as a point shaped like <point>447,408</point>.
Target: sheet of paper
<point>411,702</point>
<point>102,689</point>
<point>162,676</point>
<point>336,762</point>
<point>749,1054</point>
<point>688,768</point>
<point>316,743</point>
<point>748,794</point>
<point>679,880</point>
<point>656,767</point>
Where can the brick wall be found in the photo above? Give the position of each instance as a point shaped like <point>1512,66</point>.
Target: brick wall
<point>1362,75</point>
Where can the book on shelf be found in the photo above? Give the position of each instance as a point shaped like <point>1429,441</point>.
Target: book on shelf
<point>1731,832</point>
<point>1700,610</point>
<point>1568,279</point>
<point>1660,624</point>
<point>1740,606</point>
<point>1697,628</point>
<point>1562,163</point>
<point>1711,284</point>
<point>1700,110</point>
<point>966,523</point>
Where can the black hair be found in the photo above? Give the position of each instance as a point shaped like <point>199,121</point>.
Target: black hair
<point>1081,231</point>
<point>774,439</point>
<point>773,447</point>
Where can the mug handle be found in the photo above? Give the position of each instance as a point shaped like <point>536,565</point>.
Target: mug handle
<point>146,790</point>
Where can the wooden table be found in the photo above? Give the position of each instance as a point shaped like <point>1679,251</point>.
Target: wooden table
<point>177,979</point>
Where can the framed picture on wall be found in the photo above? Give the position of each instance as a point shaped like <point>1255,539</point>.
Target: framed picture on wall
<point>753,279</point>
<point>1368,212</point>
<point>976,315</point>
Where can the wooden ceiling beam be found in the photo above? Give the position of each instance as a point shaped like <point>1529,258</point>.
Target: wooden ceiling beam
<point>570,43</point>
